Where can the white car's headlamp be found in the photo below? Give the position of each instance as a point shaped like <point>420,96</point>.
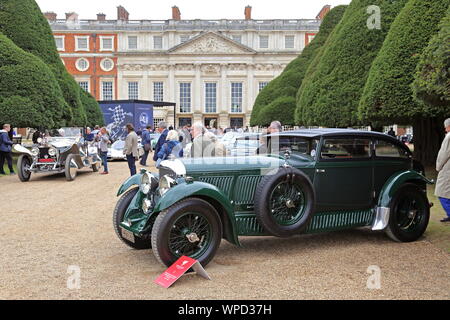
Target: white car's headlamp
<point>35,151</point>
<point>52,152</point>
<point>148,183</point>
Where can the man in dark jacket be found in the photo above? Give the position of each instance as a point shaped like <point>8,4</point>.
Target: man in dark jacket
<point>5,149</point>
<point>147,143</point>
<point>162,128</point>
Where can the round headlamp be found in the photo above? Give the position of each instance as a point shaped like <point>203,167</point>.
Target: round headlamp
<point>52,152</point>
<point>165,183</point>
<point>35,152</point>
<point>148,183</point>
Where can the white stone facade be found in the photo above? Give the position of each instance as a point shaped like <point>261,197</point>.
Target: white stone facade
<point>231,59</point>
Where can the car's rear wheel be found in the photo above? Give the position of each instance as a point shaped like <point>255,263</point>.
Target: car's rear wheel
<point>409,214</point>
<point>70,168</point>
<point>284,202</point>
<point>23,166</point>
<point>190,228</point>
<point>118,214</point>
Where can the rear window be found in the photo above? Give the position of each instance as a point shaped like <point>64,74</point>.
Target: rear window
<point>346,149</point>
<point>389,150</point>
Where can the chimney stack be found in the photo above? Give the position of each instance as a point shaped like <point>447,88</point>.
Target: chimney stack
<point>122,14</point>
<point>101,17</point>
<point>71,17</point>
<point>176,14</point>
<point>323,12</point>
<point>248,13</point>
<point>50,16</point>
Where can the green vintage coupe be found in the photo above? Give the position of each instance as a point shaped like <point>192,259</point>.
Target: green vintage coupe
<point>307,181</point>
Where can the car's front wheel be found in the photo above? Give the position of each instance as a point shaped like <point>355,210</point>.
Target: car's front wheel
<point>409,214</point>
<point>119,212</point>
<point>70,168</point>
<point>190,228</point>
<point>23,166</point>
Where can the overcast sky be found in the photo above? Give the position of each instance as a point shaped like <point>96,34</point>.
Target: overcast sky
<point>190,9</point>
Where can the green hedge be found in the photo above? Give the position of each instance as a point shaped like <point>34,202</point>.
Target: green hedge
<point>281,109</point>
<point>432,79</point>
<point>288,82</point>
<point>388,92</point>
<point>29,93</point>
<point>23,22</point>
<point>331,95</point>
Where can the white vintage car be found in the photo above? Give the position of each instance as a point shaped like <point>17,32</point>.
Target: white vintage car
<point>115,151</point>
<point>63,150</point>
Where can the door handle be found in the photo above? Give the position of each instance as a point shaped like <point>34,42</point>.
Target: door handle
<point>320,170</point>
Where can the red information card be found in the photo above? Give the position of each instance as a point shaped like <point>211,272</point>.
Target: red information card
<point>180,267</point>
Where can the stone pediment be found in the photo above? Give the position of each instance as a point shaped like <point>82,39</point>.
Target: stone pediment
<point>211,43</point>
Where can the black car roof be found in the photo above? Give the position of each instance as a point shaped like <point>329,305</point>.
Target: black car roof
<point>311,133</point>
<point>323,132</point>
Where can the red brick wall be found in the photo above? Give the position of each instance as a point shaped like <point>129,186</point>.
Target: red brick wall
<point>94,71</point>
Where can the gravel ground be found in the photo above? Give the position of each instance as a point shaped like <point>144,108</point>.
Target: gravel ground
<point>49,224</point>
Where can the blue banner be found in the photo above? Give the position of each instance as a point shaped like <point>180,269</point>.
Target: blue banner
<point>118,114</point>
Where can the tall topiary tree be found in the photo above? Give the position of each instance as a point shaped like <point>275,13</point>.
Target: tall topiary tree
<point>330,98</point>
<point>29,93</point>
<point>288,82</point>
<point>432,80</point>
<point>388,94</point>
<point>23,22</point>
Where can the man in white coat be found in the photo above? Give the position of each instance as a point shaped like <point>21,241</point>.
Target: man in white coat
<point>443,167</point>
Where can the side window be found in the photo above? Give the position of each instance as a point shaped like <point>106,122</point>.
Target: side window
<point>388,150</point>
<point>345,149</point>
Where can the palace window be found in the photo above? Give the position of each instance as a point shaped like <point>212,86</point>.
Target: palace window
<point>59,40</point>
<point>132,42</point>
<point>106,43</point>
<point>264,42</point>
<point>82,64</point>
<point>107,64</point>
<point>236,97</point>
<point>107,90</point>
<point>158,91</point>
<point>157,42</point>
<point>84,85</point>
<point>210,97</point>
<point>133,90</point>
<point>185,97</point>
<point>262,85</point>
<point>82,43</point>
<point>289,42</point>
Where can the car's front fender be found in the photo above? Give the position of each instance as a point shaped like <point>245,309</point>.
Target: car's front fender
<point>395,182</point>
<point>17,148</point>
<point>207,192</point>
<point>131,181</point>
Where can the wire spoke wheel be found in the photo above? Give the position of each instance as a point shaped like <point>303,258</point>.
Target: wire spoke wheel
<point>190,235</point>
<point>287,203</point>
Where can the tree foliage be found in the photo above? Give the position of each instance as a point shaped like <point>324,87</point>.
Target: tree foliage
<point>330,96</point>
<point>388,92</point>
<point>23,22</point>
<point>288,82</point>
<point>29,93</point>
<point>281,109</point>
<point>432,79</point>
